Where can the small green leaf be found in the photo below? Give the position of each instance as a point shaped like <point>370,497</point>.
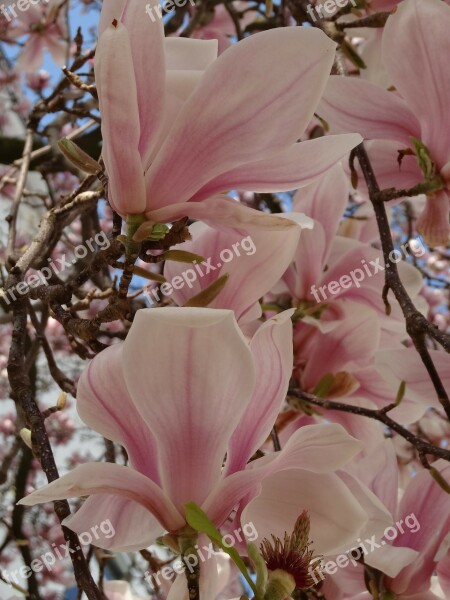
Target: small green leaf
<point>324,386</point>
<point>206,296</point>
<point>199,521</point>
<point>158,232</point>
<point>183,256</point>
<point>262,574</point>
<point>426,165</point>
<point>440,480</point>
<point>78,157</point>
<point>400,393</point>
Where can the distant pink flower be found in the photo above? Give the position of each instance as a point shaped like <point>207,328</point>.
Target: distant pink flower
<point>415,46</point>
<point>192,129</point>
<point>179,394</point>
<point>221,26</point>
<point>46,30</point>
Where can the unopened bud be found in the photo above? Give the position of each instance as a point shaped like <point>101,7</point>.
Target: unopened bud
<point>25,434</point>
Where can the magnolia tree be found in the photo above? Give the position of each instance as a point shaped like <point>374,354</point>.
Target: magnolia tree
<point>225,321</point>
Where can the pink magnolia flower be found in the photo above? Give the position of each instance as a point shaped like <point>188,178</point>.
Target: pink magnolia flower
<point>416,542</point>
<point>329,268</point>
<point>179,394</point>
<point>46,30</point>
<point>254,260</point>
<point>195,126</point>
<point>414,48</point>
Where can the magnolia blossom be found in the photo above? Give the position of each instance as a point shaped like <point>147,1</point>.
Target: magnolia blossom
<point>263,256</point>
<point>44,24</point>
<point>418,33</point>
<point>161,395</point>
<point>417,541</point>
<point>195,126</point>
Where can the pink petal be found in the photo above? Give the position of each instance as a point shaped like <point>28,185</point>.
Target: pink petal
<point>317,448</point>
<point>271,347</point>
<point>308,263</point>
<point>174,364</point>
<point>31,57</point>
<point>185,54</point>
<point>354,105</point>
<point>286,169</point>
<point>351,344</point>
<point>109,478</point>
<point>429,505</point>
<point>391,559</point>
<point>224,125</point>
<point>57,49</point>
<point>405,364</point>
<point>147,49</point>
<point>325,201</point>
<point>117,93</point>
<point>384,156</point>
<point>220,210</point>
<point>128,526</point>
<point>433,223</point>
<point>255,261</point>
<point>111,11</point>
<point>336,516</point>
<point>104,403</point>
<point>416,41</point>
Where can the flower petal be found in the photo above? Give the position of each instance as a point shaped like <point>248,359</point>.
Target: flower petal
<point>104,403</point>
<point>286,169</point>
<point>220,210</point>
<point>355,105</point>
<point>224,124</point>
<point>117,91</point>
<point>147,49</point>
<point>174,365</point>
<point>109,478</point>
<point>416,41</point>
<point>128,525</point>
<point>336,516</point>
<point>254,263</point>
<point>316,448</point>
<point>271,347</point>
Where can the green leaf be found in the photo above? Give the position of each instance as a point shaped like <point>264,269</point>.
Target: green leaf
<point>400,393</point>
<point>158,232</point>
<point>324,386</point>
<point>183,256</point>
<point>426,165</point>
<point>199,521</point>
<point>262,574</point>
<point>78,157</point>
<point>206,296</point>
